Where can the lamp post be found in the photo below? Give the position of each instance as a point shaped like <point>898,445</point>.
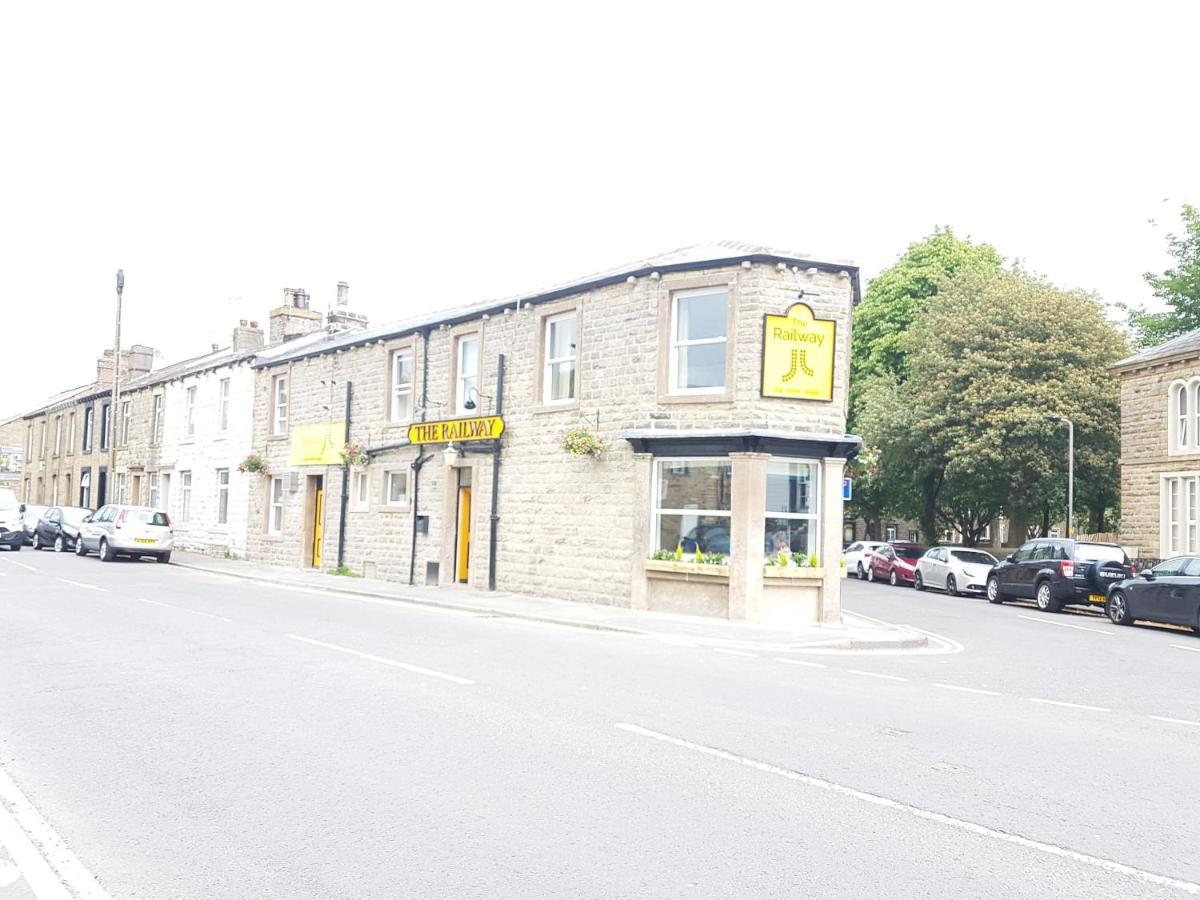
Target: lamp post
<point>1070,469</point>
<point>111,481</point>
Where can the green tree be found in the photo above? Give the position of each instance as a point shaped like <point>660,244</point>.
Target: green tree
<point>1178,287</point>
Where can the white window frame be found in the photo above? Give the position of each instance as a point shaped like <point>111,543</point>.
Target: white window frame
<point>120,486</point>
<point>85,489</point>
<point>71,433</point>
<point>157,433</point>
<point>675,343</point>
<point>222,496</point>
<point>42,450</point>
<point>360,490</point>
<point>54,490</point>
<point>401,390</point>
<point>1183,420</point>
<point>1179,513</point>
<point>223,405</point>
<point>657,512</point>
<point>814,517</point>
<point>185,496</point>
<point>275,505</point>
<point>387,489</point>
<point>106,423</point>
<point>189,411</point>
<point>152,491</point>
<point>89,428</point>
<point>550,362</point>
<point>891,532</point>
<point>279,405</point>
<point>461,390</point>
<point>126,420</point>
<point>57,436</point>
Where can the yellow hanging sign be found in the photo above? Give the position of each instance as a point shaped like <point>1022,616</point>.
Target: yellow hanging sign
<point>479,428</point>
<point>318,445</point>
<point>798,355</point>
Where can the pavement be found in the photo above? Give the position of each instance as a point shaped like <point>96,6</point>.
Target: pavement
<point>180,733</point>
<point>855,632</point>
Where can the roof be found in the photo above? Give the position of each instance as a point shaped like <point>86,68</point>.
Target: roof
<point>1179,347</point>
<point>697,256</point>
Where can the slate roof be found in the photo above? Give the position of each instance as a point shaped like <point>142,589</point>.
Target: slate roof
<point>695,256</point>
<point>1183,346</point>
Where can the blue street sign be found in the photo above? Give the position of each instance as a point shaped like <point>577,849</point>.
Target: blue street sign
<point>847,489</point>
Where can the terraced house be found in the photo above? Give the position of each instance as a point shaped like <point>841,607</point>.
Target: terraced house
<point>689,407</point>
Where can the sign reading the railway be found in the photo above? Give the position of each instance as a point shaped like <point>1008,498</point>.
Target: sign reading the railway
<point>798,353</point>
<point>480,428</point>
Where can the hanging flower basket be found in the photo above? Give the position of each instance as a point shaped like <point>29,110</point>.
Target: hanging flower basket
<point>355,454</point>
<point>582,442</point>
<point>255,464</point>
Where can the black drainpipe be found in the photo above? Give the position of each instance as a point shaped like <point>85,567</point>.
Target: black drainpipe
<point>420,460</point>
<point>345,484</point>
<point>495,476</point>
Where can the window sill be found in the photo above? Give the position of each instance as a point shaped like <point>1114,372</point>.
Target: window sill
<point>273,538</point>
<point>546,408</point>
<point>723,397</point>
<point>392,509</point>
<point>276,438</point>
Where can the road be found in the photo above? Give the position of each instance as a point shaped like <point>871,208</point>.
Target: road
<point>186,735</point>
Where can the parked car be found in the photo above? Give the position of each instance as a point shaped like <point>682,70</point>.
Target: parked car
<point>954,570</point>
<point>30,516</point>
<point>1168,593</point>
<point>134,531</point>
<point>856,555</point>
<point>59,528</point>
<point>1055,572</point>
<point>12,535</point>
<point>894,562</point>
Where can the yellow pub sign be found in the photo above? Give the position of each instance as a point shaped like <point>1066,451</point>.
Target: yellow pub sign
<point>798,353</point>
<point>479,428</point>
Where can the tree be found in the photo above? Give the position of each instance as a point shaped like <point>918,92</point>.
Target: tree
<point>1178,287</point>
<point>966,436</point>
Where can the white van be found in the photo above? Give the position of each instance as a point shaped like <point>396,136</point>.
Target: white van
<point>12,534</point>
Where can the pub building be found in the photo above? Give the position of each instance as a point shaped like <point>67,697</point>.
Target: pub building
<point>668,435</point>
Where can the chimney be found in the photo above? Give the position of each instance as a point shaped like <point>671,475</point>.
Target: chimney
<point>104,366</point>
<point>247,337</point>
<point>340,318</point>
<point>293,319</point>
<point>137,360</point>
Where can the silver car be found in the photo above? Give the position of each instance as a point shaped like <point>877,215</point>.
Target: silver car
<point>955,570</point>
<point>134,531</point>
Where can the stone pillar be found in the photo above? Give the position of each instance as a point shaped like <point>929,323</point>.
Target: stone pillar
<point>747,531</point>
<point>643,480</point>
<point>831,540</point>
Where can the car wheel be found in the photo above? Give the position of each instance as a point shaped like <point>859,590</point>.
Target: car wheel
<point>80,550</point>
<point>1045,597</point>
<point>993,590</point>
<point>164,557</point>
<point>105,552</point>
<point>36,543</point>
<point>59,544</point>
<point>1117,608</point>
<point>892,579</point>
<point>871,574</point>
<point>860,573</point>
<point>918,581</point>
<point>951,586</point>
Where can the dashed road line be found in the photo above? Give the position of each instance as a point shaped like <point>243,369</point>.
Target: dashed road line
<point>965,689</point>
<point>1174,721</point>
<point>90,587</point>
<point>1070,705</point>
<point>1062,624</point>
<point>734,652</point>
<point>419,670</point>
<point>1189,649</point>
<point>928,815</point>
<point>195,612</point>
<point>25,566</point>
<point>876,675</point>
<point>801,662</point>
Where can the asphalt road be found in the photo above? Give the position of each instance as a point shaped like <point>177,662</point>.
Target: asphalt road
<point>186,735</point>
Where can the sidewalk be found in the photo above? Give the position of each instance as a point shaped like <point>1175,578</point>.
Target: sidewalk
<point>856,634</point>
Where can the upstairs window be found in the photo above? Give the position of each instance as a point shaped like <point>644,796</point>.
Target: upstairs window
<point>467,380</point>
<point>402,385</point>
<point>57,435</point>
<point>126,420</point>
<point>223,405</point>
<point>1181,410</point>
<point>89,424</point>
<point>558,377</point>
<point>105,425</point>
<point>158,419</point>
<point>189,411</point>
<point>279,405</point>
<point>699,330</point>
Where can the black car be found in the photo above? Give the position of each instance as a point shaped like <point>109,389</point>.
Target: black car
<point>1055,572</point>
<point>59,528</point>
<point>1169,593</point>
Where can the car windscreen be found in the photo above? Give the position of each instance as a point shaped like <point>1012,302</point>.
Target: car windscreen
<point>73,515</point>
<point>909,550</point>
<point>974,557</point>
<point>146,517</point>
<point>1099,552</point>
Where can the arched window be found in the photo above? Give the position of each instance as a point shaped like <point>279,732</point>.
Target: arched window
<point>1181,412</point>
<point>1196,413</point>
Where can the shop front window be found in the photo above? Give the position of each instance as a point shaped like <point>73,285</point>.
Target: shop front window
<point>791,520</point>
<point>692,505</point>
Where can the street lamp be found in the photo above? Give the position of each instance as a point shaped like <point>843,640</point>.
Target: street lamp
<point>1070,468</point>
<point>113,409</point>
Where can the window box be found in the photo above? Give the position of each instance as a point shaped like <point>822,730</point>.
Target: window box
<point>682,567</point>
<point>795,573</point>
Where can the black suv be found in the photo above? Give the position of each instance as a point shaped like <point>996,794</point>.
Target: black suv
<point>1055,572</point>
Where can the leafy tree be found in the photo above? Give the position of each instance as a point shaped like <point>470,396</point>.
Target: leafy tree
<point>1178,287</point>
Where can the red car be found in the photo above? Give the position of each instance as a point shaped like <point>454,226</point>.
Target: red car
<point>895,562</point>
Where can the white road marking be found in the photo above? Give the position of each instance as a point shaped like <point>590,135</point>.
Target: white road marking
<point>876,675</point>
<point>183,609</point>
<point>1070,705</point>
<point>1174,721</point>
<point>965,825</point>
<point>801,662</point>
<point>9,874</point>
<point>734,652</point>
<point>51,870</point>
<point>23,565</point>
<point>90,587</point>
<point>967,690</point>
<point>1041,621</point>
<point>384,660</point>
<point>1189,649</point>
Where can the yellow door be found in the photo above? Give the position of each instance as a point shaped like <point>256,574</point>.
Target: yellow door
<point>318,519</point>
<point>464,534</point>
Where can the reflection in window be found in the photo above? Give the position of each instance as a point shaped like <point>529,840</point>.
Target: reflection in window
<point>791,525</point>
<point>700,321</point>
<point>692,503</point>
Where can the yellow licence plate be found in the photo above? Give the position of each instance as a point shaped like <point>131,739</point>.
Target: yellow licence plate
<point>145,541</point>
<point>1096,598</point>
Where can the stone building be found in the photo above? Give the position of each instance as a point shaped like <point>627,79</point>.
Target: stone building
<point>687,367</point>
<point>12,453</point>
<point>1160,448</point>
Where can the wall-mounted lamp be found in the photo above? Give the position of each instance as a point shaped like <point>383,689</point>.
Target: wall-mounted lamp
<point>450,456</point>
<point>469,403</point>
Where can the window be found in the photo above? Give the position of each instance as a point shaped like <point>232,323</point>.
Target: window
<point>29,442</point>
<point>691,505</point>
<point>913,536</point>
<point>222,496</point>
<point>70,434</point>
<point>1181,410</point>
<point>395,491</point>
<point>223,405</point>
<point>42,443</point>
<point>1180,514</point>
<point>105,424</point>
<point>157,430</point>
<point>402,385</point>
<point>54,490</point>
<point>279,405</point>
<point>892,533</point>
<point>467,381</point>
<point>67,486</point>
<point>558,376</point>
<point>119,495</point>
<point>85,489</point>
<point>185,496</point>
<point>791,525</point>
<point>275,513</point>
<point>189,411</point>
<point>126,420</point>
<point>57,435</point>
<point>699,322</point>
<point>153,499</point>
<point>89,424</point>
<point>360,492</point>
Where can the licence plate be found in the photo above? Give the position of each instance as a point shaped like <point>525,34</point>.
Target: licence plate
<point>1096,598</point>
<point>145,541</point>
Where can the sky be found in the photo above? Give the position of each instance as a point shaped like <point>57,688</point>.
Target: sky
<point>437,154</point>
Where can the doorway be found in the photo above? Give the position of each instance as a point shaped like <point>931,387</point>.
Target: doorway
<point>314,529</point>
<point>462,541</point>
<point>135,496</point>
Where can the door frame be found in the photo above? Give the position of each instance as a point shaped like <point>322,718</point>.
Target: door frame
<point>314,489</point>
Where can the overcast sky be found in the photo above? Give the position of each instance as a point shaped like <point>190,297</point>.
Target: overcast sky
<point>434,154</point>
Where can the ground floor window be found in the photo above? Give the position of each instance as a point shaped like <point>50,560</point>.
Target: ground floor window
<point>395,488</point>
<point>792,523</point>
<point>361,491</point>
<point>222,496</point>
<point>692,505</point>
<point>153,499</point>
<point>275,513</point>
<point>893,533</point>
<point>185,496</point>
<point>1180,514</point>
<point>85,489</point>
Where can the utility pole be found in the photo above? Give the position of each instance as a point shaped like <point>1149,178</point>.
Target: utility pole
<point>1070,469</point>
<point>111,481</point>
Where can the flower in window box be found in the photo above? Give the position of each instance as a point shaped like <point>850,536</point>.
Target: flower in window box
<point>582,442</point>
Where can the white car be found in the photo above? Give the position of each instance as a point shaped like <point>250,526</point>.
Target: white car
<point>133,531</point>
<point>856,555</point>
<point>12,534</point>
<point>955,570</point>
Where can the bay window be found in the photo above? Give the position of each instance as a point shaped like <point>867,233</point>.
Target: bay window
<point>692,505</point>
<point>791,523</point>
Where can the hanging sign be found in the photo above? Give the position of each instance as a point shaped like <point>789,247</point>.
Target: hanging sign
<point>317,445</point>
<point>479,428</point>
<point>798,354</point>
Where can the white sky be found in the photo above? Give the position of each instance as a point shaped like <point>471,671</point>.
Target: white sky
<point>434,154</point>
